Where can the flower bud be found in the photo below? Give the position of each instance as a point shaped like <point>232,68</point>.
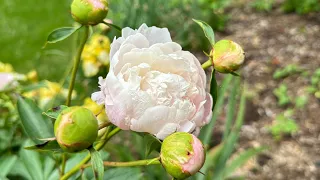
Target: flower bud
<point>76,128</point>
<point>182,155</point>
<point>227,56</point>
<point>89,12</point>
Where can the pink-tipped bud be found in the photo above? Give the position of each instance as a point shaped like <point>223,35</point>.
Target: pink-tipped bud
<point>227,56</point>
<point>89,12</point>
<point>182,155</point>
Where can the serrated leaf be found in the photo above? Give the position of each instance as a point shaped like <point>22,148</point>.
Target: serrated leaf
<point>34,123</point>
<point>241,160</point>
<point>152,143</point>
<point>97,164</point>
<point>207,29</point>
<point>47,146</point>
<point>61,34</point>
<point>54,112</point>
<point>123,174</point>
<point>6,163</point>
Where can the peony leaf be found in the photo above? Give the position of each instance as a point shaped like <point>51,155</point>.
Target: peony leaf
<point>51,145</point>
<point>112,25</point>
<point>241,159</point>
<point>54,112</point>
<point>208,31</point>
<point>152,143</point>
<point>123,174</point>
<point>61,34</point>
<point>97,164</point>
<point>6,163</point>
<point>214,88</point>
<point>34,123</point>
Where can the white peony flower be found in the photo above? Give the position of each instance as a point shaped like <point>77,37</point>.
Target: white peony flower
<point>153,85</point>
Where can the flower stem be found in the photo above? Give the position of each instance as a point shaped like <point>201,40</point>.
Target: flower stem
<point>207,64</point>
<point>77,59</point>
<point>107,136</point>
<point>145,162</point>
<point>63,165</point>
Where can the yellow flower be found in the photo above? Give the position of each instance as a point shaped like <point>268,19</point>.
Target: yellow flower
<point>96,109</point>
<point>95,54</point>
<point>5,67</point>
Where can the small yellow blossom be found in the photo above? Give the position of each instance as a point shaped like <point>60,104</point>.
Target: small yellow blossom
<point>96,109</point>
<point>5,67</point>
<point>95,55</point>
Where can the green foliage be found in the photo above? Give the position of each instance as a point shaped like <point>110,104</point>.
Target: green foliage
<point>301,101</point>
<point>50,145</point>
<point>61,34</point>
<point>262,5</point>
<point>123,174</point>
<point>301,6</point>
<point>282,95</point>
<point>287,71</point>
<point>208,31</point>
<point>35,124</point>
<point>132,13</point>
<point>97,164</point>
<point>283,125</point>
<point>25,26</point>
<point>53,113</point>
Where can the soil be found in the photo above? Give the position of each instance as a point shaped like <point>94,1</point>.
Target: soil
<point>271,41</point>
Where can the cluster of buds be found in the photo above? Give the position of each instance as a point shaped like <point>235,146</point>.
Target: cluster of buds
<point>227,56</point>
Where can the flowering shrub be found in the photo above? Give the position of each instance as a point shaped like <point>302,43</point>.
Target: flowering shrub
<point>154,89</point>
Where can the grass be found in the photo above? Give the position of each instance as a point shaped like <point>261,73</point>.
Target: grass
<point>24,26</point>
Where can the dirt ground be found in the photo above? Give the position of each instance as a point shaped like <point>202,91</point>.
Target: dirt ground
<point>271,41</point>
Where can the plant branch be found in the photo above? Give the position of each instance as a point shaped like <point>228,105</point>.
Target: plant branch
<point>77,59</point>
<point>145,162</point>
<point>207,64</point>
<point>107,136</point>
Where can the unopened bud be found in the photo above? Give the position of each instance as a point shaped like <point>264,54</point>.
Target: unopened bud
<point>182,155</point>
<point>89,12</point>
<point>227,56</point>
<point>76,129</point>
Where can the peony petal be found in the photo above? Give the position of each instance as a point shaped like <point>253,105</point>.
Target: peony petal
<point>167,130</point>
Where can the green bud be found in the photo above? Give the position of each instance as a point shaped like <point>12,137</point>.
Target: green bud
<point>227,56</point>
<point>89,12</point>
<point>182,155</point>
<point>76,128</point>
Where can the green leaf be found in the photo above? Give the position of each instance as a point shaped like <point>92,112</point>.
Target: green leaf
<point>35,125</point>
<point>31,161</point>
<point>6,163</point>
<point>113,26</point>
<point>97,164</point>
<point>54,112</point>
<point>208,31</point>
<point>214,88</point>
<point>231,140</point>
<point>152,143</point>
<point>206,132</point>
<point>61,34</point>
<point>47,146</point>
<point>231,106</point>
<point>123,174</point>
<point>35,86</point>
<point>48,166</point>
<point>241,159</point>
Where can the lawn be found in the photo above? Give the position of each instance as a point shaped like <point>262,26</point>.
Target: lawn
<point>24,26</point>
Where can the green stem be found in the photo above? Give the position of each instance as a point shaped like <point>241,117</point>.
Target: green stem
<point>99,146</point>
<point>207,64</point>
<point>77,59</point>
<point>63,165</point>
<point>145,162</point>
